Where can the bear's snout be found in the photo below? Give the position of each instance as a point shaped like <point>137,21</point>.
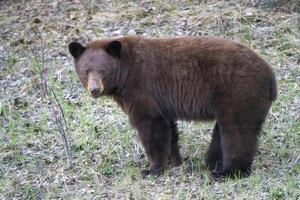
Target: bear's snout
<point>95,88</point>
<point>95,92</point>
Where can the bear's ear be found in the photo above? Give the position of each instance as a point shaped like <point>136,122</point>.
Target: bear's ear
<point>76,49</point>
<point>114,48</point>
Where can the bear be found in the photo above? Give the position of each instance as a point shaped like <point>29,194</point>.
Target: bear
<point>158,81</point>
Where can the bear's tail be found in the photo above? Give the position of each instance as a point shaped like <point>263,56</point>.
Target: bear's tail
<point>273,89</point>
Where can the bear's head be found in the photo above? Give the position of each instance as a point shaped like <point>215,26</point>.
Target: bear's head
<point>97,65</point>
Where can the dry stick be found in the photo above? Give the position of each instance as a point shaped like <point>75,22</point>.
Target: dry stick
<point>60,119</point>
<point>63,125</point>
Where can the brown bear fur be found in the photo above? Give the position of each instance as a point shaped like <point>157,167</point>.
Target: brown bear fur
<point>157,81</point>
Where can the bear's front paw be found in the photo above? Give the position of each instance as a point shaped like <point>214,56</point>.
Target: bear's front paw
<point>145,173</point>
<point>218,176</point>
<point>154,171</point>
<point>175,160</point>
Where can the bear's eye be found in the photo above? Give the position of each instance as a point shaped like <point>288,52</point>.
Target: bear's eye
<point>86,71</point>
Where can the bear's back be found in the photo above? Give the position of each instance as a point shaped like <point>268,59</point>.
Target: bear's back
<point>188,75</point>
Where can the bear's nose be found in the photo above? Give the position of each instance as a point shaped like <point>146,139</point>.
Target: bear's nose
<point>95,87</point>
<point>95,91</point>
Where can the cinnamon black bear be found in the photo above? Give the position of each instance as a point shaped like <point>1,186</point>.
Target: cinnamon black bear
<point>158,81</point>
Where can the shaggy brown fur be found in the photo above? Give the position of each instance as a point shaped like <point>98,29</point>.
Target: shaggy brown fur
<point>158,81</point>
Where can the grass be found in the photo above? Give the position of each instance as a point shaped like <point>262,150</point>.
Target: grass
<point>107,154</point>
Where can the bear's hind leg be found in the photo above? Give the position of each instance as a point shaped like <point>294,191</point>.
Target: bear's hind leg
<point>175,159</point>
<point>214,152</point>
<point>239,127</point>
<point>239,144</point>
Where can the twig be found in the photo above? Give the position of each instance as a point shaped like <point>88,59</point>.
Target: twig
<point>55,106</point>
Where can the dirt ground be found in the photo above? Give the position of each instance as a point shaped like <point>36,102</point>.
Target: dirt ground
<point>106,153</point>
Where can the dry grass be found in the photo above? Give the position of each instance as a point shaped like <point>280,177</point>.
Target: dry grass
<point>107,155</point>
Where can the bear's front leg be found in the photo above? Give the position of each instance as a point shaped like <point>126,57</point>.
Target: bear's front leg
<point>155,135</point>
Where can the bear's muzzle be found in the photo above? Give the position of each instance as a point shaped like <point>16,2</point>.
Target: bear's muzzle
<point>95,87</point>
